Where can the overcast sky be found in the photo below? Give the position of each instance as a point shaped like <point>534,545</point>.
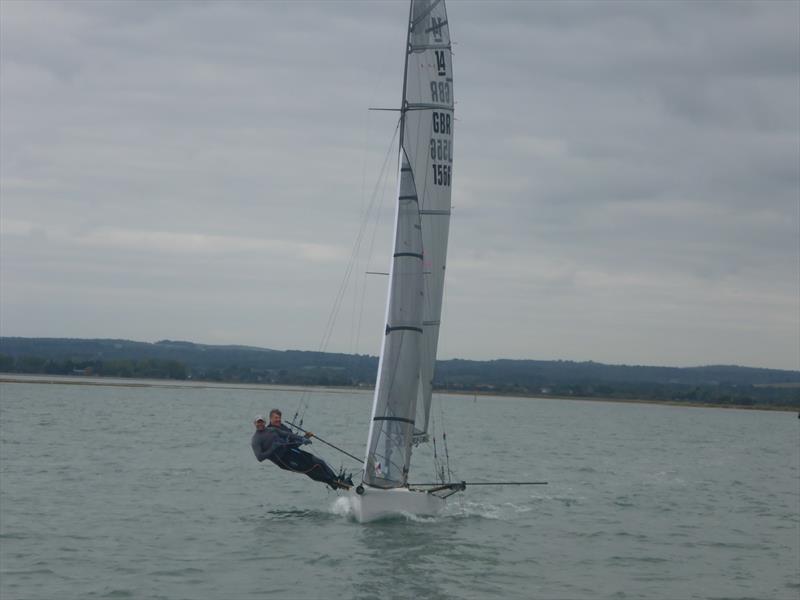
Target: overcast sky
<point>626,176</point>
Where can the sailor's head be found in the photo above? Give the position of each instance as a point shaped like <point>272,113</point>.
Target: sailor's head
<point>275,417</point>
<point>260,422</point>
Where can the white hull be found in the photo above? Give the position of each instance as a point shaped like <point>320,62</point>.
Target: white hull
<point>376,503</point>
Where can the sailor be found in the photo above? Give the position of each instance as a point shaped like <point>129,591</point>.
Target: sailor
<point>277,443</point>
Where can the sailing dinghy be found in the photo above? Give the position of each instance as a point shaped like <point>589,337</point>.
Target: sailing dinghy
<point>402,401</point>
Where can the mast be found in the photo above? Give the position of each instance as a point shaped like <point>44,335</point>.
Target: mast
<point>404,100</point>
<point>408,352</point>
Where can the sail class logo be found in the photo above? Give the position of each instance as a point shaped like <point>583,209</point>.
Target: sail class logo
<point>436,27</point>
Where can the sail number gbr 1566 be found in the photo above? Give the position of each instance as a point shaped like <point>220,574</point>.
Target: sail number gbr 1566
<point>441,148</point>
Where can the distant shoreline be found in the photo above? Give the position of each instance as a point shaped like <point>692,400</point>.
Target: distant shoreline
<point>196,384</point>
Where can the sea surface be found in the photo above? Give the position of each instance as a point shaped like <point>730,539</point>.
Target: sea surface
<point>153,492</point>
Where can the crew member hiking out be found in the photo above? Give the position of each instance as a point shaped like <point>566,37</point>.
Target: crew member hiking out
<point>276,442</point>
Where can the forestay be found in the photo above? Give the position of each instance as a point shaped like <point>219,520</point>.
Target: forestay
<point>402,401</point>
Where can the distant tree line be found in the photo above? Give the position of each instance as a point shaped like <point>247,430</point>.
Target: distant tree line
<point>719,394</point>
<point>722,385</point>
<point>146,368</point>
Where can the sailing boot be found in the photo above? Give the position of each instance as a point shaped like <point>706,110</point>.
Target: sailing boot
<point>344,480</point>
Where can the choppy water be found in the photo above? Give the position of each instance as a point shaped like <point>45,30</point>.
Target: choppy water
<point>118,492</point>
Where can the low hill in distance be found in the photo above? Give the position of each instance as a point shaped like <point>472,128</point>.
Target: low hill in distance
<point>727,385</point>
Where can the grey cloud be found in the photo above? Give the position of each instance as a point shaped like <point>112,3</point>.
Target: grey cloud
<point>626,180</point>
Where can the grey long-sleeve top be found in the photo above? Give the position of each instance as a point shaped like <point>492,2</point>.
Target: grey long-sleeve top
<point>274,439</point>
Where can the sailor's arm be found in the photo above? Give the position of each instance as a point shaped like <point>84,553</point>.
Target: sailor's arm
<point>261,454</point>
<point>294,440</point>
<point>275,441</point>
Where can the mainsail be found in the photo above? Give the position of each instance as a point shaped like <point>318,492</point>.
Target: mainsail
<point>401,406</point>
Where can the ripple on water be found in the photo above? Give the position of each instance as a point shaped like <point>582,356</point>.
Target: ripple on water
<point>175,572</point>
<point>118,594</point>
<point>26,573</point>
<point>635,560</point>
<point>196,493</point>
<point>289,514</point>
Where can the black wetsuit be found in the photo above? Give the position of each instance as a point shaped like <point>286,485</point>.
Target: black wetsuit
<point>280,445</point>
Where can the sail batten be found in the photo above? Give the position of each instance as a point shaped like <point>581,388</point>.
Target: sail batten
<point>431,47</point>
<point>429,106</point>
<point>401,406</point>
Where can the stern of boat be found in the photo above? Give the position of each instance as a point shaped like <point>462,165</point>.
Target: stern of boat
<point>372,504</point>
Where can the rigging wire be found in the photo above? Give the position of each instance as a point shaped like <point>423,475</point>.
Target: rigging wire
<point>449,476</point>
<point>316,437</point>
<point>438,466</point>
<point>359,306</point>
<point>369,254</point>
<point>329,326</point>
<point>444,443</point>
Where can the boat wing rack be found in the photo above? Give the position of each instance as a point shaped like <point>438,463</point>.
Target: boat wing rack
<point>441,489</point>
